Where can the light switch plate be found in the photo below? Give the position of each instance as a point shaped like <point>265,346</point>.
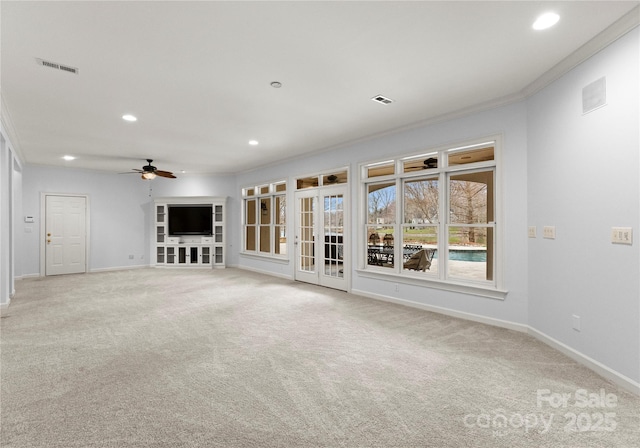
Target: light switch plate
<point>622,235</point>
<point>549,232</point>
<point>575,322</point>
<point>532,231</point>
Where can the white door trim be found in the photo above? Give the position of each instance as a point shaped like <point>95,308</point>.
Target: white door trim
<point>43,230</point>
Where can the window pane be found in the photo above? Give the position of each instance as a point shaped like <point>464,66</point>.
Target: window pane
<point>471,198</point>
<point>280,238</point>
<point>381,203</point>
<point>381,170</point>
<point>471,156</point>
<point>335,178</point>
<point>264,189</point>
<point>250,238</point>
<point>421,201</point>
<point>419,248</point>
<point>265,240</point>
<point>251,211</point>
<point>265,211</point>
<point>281,187</point>
<point>281,209</point>
<point>473,261</point>
<point>307,182</point>
<point>249,192</point>
<point>380,246</point>
<point>421,163</point>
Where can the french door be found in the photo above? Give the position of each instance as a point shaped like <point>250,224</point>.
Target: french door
<point>321,246</point>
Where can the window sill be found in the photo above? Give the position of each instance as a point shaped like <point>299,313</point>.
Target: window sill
<point>465,288</point>
<point>266,257</point>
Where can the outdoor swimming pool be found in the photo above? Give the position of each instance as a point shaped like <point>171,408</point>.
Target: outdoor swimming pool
<point>466,255</point>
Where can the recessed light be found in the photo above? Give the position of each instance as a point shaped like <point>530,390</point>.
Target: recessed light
<point>253,142</point>
<point>129,117</point>
<point>276,84</point>
<point>68,157</point>
<point>545,21</point>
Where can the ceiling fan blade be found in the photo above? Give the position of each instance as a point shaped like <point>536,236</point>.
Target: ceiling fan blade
<point>134,171</point>
<point>164,174</point>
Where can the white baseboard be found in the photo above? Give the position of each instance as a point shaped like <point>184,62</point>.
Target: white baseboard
<point>262,271</point>
<point>599,368</point>
<point>119,268</point>
<point>447,311</point>
<point>22,277</point>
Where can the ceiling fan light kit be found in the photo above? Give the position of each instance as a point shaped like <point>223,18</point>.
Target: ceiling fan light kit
<point>149,172</point>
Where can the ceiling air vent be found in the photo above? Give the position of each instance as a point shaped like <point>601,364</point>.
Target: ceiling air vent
<point>382,99</point>
<point>64,68</point>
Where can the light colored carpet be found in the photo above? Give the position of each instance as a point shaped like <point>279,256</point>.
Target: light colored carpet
<point>229,358</point>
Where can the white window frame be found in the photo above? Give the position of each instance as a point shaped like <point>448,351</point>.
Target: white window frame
<point>271,194</point>
<point>490,288</point>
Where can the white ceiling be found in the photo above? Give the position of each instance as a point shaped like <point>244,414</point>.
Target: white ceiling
<point>197,74</point>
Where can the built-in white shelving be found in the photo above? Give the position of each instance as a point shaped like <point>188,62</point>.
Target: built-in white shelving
<point>189,250</point>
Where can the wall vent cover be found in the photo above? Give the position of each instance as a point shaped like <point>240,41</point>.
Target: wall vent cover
<point>594,95</point>
<point>57,66</point>
<point>382,99</point>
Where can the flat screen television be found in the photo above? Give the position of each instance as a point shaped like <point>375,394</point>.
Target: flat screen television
<point>190,220</point>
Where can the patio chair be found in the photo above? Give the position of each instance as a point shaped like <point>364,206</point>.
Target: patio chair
<point>420,261</point>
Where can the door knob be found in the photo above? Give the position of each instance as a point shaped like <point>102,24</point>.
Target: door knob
<point>48,234</point>
<point>48,241</point>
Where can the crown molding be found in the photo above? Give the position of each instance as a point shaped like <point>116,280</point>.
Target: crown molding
<point>602,40</point>
<point>10,131</point>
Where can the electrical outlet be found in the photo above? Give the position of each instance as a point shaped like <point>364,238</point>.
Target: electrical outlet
<point>532,231</point>
<point>397,287</point>
<point>130,257</point>
<point>576,322</point>
<point>622,235</point>
<point>549,232</point>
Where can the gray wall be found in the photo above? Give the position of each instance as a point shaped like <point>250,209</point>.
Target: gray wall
<point>583,178</point>
<point>120,211</point>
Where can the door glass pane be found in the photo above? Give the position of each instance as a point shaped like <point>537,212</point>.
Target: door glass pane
<point>306,243</point>
<point>333,235</point>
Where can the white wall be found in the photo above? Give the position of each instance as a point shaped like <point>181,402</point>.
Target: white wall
<point>120,210</point>
<point>583,179</point>
<point>578,173</point>
<point>510,121</point>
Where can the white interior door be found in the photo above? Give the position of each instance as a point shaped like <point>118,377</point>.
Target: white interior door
<point>65,238</point>
<point>320,241</point>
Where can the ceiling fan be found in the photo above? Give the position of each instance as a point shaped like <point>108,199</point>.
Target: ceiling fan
<point>431,162</point>
<point>150,172</point>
